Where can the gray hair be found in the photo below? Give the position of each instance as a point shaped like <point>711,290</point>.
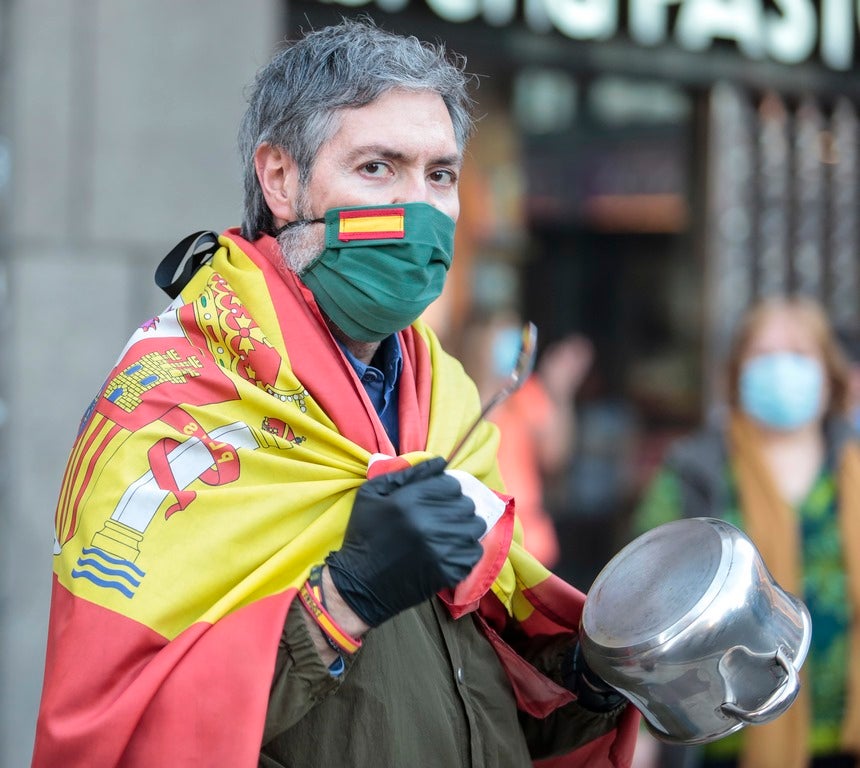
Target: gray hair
<point>296,97</point>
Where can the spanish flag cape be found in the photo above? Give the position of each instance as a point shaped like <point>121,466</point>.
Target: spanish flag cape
<point>218,464</point>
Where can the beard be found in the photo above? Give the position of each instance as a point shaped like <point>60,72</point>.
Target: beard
<point>301,244</point>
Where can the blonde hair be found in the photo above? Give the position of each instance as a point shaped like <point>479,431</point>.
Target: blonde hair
<point>811,315</point>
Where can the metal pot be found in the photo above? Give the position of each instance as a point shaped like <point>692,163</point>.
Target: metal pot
<point>687,622</point>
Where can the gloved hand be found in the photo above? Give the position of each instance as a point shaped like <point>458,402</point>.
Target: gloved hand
<point>410,534</point>
<point>592,692</point>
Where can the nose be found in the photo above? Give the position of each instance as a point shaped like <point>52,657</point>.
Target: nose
<point>412,188</point>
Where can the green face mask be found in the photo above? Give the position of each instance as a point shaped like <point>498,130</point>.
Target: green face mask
<point>382,266</point>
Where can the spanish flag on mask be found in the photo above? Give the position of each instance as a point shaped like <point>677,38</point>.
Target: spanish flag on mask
<point>371,224</point>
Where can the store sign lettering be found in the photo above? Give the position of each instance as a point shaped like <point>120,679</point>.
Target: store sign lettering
<point>786,31</point>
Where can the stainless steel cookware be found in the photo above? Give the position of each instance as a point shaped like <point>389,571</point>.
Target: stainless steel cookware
<point>688,623</point>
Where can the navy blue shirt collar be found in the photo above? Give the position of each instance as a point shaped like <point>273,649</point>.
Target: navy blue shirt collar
<point>380,382</point>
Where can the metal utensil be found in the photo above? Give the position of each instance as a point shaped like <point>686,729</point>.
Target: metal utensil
<point>522,369</point>
<point>687,622</point>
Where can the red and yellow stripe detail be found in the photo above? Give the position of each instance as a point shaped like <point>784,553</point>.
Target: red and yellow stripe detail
<point>372,224</point>
<point>311,596</point>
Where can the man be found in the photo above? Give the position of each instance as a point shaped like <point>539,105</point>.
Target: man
<point>260,555</point>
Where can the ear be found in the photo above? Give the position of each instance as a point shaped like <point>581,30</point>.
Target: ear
<point>278,175</point>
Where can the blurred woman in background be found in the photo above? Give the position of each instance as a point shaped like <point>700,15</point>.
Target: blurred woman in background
<point>783,466</point>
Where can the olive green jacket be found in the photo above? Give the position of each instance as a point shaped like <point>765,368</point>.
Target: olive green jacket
<point>423,690</point>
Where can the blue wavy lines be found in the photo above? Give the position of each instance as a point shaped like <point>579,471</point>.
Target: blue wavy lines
<point>111,559</point>
<point>104,570</point>
<point>108,571</point>
<point>103,582</point>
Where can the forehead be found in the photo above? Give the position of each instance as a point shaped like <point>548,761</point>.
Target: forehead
<point>784,328</point>
<point>410,121</point>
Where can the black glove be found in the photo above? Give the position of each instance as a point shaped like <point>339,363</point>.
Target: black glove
<point>592,692</point>
<point>411,533</point>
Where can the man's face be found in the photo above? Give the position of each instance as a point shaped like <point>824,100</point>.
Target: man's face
<point>398,149</point>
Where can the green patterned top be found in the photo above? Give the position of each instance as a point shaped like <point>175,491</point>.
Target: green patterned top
<point>824,592</point>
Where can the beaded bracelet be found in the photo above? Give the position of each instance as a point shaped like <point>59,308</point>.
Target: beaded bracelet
<point>311,595</point>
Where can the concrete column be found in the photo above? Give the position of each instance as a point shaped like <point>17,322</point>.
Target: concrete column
<point>121,119</point>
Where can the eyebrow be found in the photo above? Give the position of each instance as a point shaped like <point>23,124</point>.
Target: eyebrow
<point>387,153</point>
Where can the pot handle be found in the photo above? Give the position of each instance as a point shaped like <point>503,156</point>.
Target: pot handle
<point>778,701</point>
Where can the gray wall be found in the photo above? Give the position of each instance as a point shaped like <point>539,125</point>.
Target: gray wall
<point>121,118</point>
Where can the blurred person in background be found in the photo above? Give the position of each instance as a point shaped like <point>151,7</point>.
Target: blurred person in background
<point>783,466</point>
<point>261,555</point>
<point>536,423</point>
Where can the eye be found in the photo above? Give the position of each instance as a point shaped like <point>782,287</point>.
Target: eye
<point>443,177</point>
<point>374,168</point>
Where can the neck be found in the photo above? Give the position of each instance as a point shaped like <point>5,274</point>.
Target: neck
<point>808,435</point>
<point>363,350</point>
<point>795,458</point>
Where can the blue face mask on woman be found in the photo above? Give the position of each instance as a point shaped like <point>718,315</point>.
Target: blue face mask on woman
<point>781,390</point>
